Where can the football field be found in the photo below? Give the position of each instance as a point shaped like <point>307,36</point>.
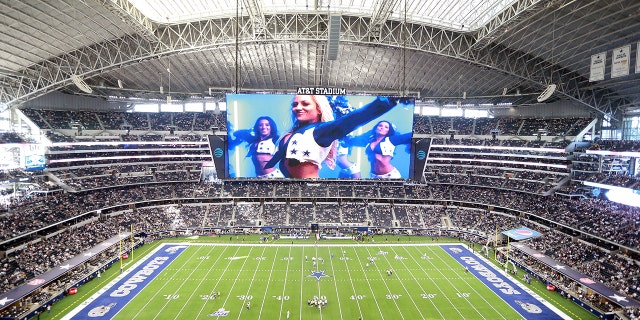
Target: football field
<point>307,281</point>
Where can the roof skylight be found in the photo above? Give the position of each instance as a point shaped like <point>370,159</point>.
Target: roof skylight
<point>457,15</point>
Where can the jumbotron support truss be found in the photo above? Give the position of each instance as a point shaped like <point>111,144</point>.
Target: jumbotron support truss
<point>86,62</point>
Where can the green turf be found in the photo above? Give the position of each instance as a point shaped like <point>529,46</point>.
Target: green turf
<point>275,279</point>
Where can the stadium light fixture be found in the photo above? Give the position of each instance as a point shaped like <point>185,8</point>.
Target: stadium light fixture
<point>79,82</point>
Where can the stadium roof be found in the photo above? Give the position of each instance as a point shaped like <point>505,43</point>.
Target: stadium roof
<point>487,52</point>
<point>456,15</point>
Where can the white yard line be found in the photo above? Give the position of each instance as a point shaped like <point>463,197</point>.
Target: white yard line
<point>161,292</point>
<point>264,297</point>
<point>227,294</point>
<point>352,287</point>
<point>373,294</point>
<point>333,272</point>
<point>247,294</point>
<point>419,284</point>
<point>472,288</point>
<point>409,294</point>
<point>301,282</point>
<point>315,268</point>
<point>204,305</point>
<point>154,299</point>
<point>193,292</point>
<point>283,244</point>
<point>111,284</point>
<point>395,301</point>
<point>452,286</point>
<point>523,287</point>
<point>328,245</point>
<point>286,276</point>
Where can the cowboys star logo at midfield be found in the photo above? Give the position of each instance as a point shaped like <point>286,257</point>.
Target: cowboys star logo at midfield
<point>318,274</point>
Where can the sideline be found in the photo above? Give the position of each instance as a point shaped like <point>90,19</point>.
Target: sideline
<point>108,302</point>
<point>529,304</point>
<point>102,304</point>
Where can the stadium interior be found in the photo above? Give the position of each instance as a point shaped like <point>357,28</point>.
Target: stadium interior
<point>527,114</point>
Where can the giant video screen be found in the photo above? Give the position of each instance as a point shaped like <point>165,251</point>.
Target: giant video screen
<point>318,136</point>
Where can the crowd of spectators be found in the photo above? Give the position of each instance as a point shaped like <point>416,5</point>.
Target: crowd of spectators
<point>497,177</point>
<point>616,145</point>
<point>247,214</point>
<point>615,222</point>
<point>515,189</point>
<point>504,126</point>
<point>536,170</point>
<point>301,214</point>
<point>609,170</point>
<point>462,127</point>
<point>484,126</point>
<point>81,167</point>
<point>39,211</point>
<point>14,174</point>
<point>619,180</point>
<point>327,213</point>
<point>39,256</point>
<point>275,214</point>
<point>56,207</point>
<point>614,269</point>
<point>380,215</point>
<point>354,212</point>
<point>10,137</point>
<point>591,216</point>
<point>158,121</point>
<point>500,126</point>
